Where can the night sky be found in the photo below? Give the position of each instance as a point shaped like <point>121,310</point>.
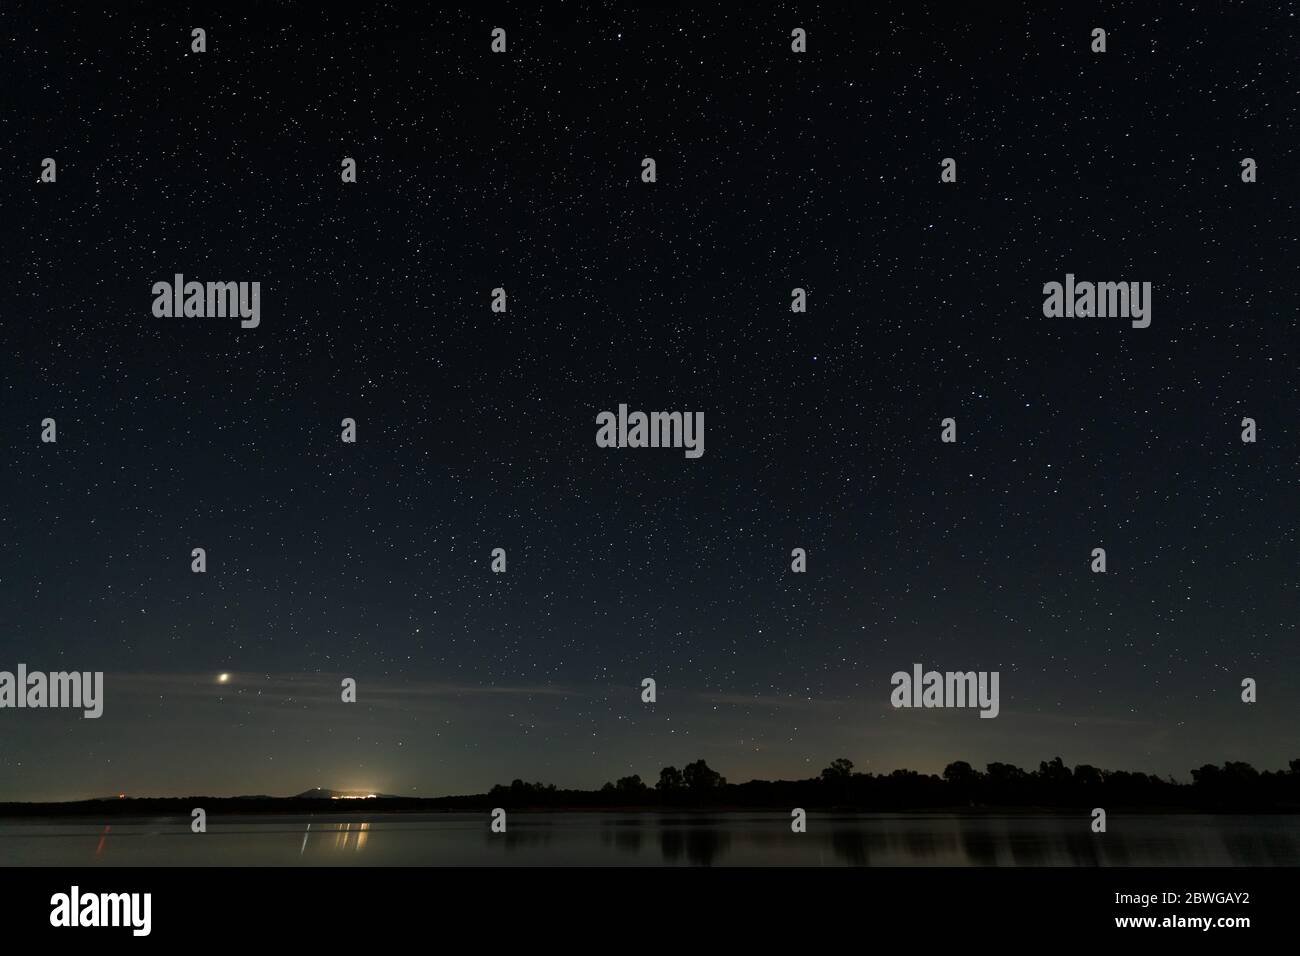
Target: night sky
<point>476,429</point>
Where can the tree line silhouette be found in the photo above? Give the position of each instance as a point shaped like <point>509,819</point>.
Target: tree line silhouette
<point>1232,786</point>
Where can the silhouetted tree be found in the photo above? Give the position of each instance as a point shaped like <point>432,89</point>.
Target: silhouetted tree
<point>841,768</point>
<point>1003,772</point>
<point>1087,775</point>
<point>670,778</point>
<point>960,772</point>
<point>1206,775</point>
<point>698,776</point>
<point>963,781</point>
<point>1055,772</point>
<point>1239,771</point>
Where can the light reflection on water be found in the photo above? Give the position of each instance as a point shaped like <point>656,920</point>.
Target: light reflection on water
<point>676,839</point>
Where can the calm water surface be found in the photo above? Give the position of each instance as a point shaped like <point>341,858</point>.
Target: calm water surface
<point>632,839</point>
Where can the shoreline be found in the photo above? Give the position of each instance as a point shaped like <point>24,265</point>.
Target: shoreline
<point>181,807</point>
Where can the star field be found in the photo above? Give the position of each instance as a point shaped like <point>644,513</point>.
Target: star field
<point>475,429</point>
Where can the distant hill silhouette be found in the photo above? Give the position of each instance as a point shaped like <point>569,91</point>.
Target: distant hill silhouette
<point>320,793</point>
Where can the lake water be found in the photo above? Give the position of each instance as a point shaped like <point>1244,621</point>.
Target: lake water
<point>658,839</point>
